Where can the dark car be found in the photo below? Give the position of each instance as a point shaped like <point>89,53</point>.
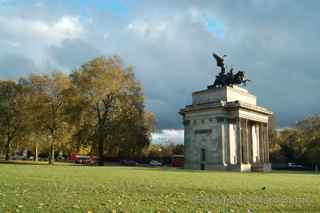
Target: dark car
<point>155,163</point>
<point>129,163</point>
<point>295,166</point>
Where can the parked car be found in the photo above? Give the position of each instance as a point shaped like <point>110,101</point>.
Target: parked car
<point>19,157</point>
<point>83,159</point>
<point>129,163</point>
<point>43,158</point>
<point>155,163</point>
<point>61,158</point>
<point>295,166</point>
<point>177,161</point>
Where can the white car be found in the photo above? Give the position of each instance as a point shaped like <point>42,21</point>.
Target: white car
<point>155,163</point>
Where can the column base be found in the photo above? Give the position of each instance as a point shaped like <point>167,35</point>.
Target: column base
<point>248,167</point>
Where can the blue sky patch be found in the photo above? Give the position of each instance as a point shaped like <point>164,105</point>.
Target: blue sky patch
<point>214,26</point>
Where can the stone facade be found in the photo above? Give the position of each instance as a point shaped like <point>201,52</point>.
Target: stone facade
<point>225,129</point>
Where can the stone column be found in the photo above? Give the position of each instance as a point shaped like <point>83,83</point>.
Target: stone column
<point>250,152</point>
<point>267,144</point>
<point>221,143</point>
<point>187,141</point>
<point>244,141</point>
<point>255,142</point>
<point>226,142</point>
<point>248,141</point>
<point>261,143</point>
<point>239,141</point>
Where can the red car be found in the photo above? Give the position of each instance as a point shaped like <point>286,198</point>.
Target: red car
<point>84,159</point>
<point>177,160</point>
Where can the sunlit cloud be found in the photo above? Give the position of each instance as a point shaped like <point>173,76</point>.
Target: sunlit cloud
<point>175,136</point>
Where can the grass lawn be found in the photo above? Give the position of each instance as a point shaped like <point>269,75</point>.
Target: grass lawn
<point>43,188</point>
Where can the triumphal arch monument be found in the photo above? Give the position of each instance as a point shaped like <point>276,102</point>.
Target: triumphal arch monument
<point>224,128</point>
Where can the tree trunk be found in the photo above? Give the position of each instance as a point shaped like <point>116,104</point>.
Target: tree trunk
<point>100,153</point>
<point>100,150</point>
<point>51,158</point>
<point>36,152</point>
<point>7,150</point>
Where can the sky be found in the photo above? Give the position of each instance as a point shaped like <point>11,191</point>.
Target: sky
<point>170,45</point>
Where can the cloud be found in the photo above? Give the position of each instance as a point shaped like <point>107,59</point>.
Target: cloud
<point>271,45</point>
<point>170,45</point>
<point>71,53</point>
<point>32,37</point>
<point>51,33</point>
<point>212,25</point>
<point>13,65</point>
<point>147,29</point>
<point>175,136</point>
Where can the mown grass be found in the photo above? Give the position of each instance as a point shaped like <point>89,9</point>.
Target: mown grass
<point>43,188</point>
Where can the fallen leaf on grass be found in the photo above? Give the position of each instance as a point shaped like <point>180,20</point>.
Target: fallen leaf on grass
<point>76,206</point>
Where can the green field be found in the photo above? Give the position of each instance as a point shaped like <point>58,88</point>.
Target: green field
<point>43,188</point>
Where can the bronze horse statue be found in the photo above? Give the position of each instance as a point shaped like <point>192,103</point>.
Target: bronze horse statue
<point>227,79</point>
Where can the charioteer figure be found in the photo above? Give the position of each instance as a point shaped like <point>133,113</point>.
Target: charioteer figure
<point>227,79</point>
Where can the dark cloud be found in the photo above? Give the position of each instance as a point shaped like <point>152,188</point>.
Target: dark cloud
<point>72,53</point>
<point>13,66</point>
<point>276,43</point>
<point>170,44</point>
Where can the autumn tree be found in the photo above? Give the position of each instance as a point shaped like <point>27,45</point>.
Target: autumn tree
<point>132,125</point>
<point>47,106</point>
<point>110,105</point>
<point>11,114</point>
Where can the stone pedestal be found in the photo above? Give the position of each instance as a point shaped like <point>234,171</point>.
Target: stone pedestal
<point>226,130</point>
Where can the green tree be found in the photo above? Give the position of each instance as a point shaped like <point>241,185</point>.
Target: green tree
<point>299,144</point>
<point>310,131</point>
<point>313,152</point>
